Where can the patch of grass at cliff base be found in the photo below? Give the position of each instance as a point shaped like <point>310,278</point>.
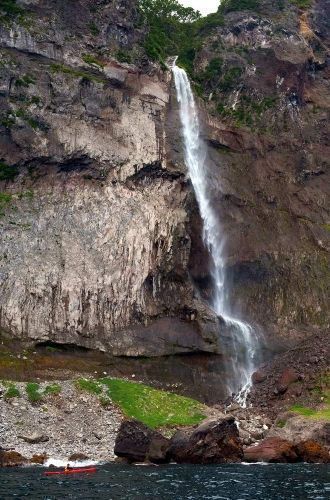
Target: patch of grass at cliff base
<point>33,393</point>
<point>153,407</point>
<point>11,392</point>
<point>52,389</point>
<point>91,386</point>
<point>323,414</point>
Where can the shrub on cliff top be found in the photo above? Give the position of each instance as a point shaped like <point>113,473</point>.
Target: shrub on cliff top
<point>10,8</point>
<point>153,407</point>
<point>167,21</point>
<point>233,5</point>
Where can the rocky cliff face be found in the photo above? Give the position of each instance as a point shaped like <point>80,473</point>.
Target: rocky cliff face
<point>99,230</point>
<point>94,241</point>
<point>265,79</point>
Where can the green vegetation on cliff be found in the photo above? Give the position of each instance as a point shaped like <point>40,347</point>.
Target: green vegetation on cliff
<point>7,172</point>
<point>174,30</point>
<point>233,5</point>
<point>168,23</point>
<point>9,9</point>
<point>303,4</point>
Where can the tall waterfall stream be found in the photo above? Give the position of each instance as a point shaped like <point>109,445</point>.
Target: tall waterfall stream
<point>240,350</point>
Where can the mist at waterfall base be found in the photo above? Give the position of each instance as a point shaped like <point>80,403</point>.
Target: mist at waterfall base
<point>239,340</point>
<point>116,481</point>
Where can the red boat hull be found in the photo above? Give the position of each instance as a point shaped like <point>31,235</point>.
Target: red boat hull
<point>71,471</point>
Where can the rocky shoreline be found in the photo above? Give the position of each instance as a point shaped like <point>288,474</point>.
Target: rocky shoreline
<point>73,425</point>
<point>72,422</point>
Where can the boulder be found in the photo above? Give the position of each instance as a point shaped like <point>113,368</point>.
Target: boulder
<point>288,377</point>
<point>214,441</point>
<point>138,443</point>
<point>34,438</point>
<point>11,459</point>
<point>39,459</point>
<point>78,457</point>
<point>298,428</point>
<point>312,452</point>
<point>271,450</point>
<point>258,377</point>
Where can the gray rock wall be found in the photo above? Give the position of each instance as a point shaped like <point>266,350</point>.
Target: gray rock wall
<point>94,242</point>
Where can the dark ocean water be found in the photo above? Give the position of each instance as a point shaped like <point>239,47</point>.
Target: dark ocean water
<point>234,482</point>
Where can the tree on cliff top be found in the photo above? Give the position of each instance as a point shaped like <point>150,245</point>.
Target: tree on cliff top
<point>167,22</point>
<point>170,10</point>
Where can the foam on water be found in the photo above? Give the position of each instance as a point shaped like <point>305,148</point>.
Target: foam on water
<point>59,462</point>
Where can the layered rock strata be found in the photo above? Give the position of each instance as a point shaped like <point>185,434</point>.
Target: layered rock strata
<point>94,239</point>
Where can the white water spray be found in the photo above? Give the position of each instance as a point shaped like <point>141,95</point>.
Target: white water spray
<point>241,350</point>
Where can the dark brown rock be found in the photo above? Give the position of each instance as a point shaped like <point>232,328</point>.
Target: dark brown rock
<point>271,450</point>
<point>288,377</point>
<point>258,377</point>
<point>11,459</point>
<point>34,438</point>
<point>312,452</point>
<point>138,443</point>
<point>39,459</point>
<point>214,441</point>
<point>77,457</point>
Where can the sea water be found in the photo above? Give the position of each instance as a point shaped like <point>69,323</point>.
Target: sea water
<point>191,482</point>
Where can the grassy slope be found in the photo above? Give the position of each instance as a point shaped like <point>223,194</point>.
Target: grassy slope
<point>323,414</point>
<point>153,407</point>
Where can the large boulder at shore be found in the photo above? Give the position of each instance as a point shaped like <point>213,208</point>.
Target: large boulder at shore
<point>297,428</point>
<point>11,458</point>
<point>212,442</point>
<point>271,450</point>
<point>277,450</point>
<point>136,442</point>
<point>312,452</point>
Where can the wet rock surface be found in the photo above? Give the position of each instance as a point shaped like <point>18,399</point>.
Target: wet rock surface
<point>274,450</point>
<point>138,443</point>
<point>272,164</point>
<point>277,450</point>
<point>213,441</point>
<point>11,459</point>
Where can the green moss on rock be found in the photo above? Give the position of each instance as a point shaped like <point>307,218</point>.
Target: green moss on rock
<point>7,173</point>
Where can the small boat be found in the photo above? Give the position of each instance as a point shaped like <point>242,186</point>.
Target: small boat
<point>71,471</point>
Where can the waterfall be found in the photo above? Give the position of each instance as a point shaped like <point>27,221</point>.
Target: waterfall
<point>240,347</point>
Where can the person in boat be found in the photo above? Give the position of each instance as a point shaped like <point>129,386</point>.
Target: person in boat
<point>68,467</point>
